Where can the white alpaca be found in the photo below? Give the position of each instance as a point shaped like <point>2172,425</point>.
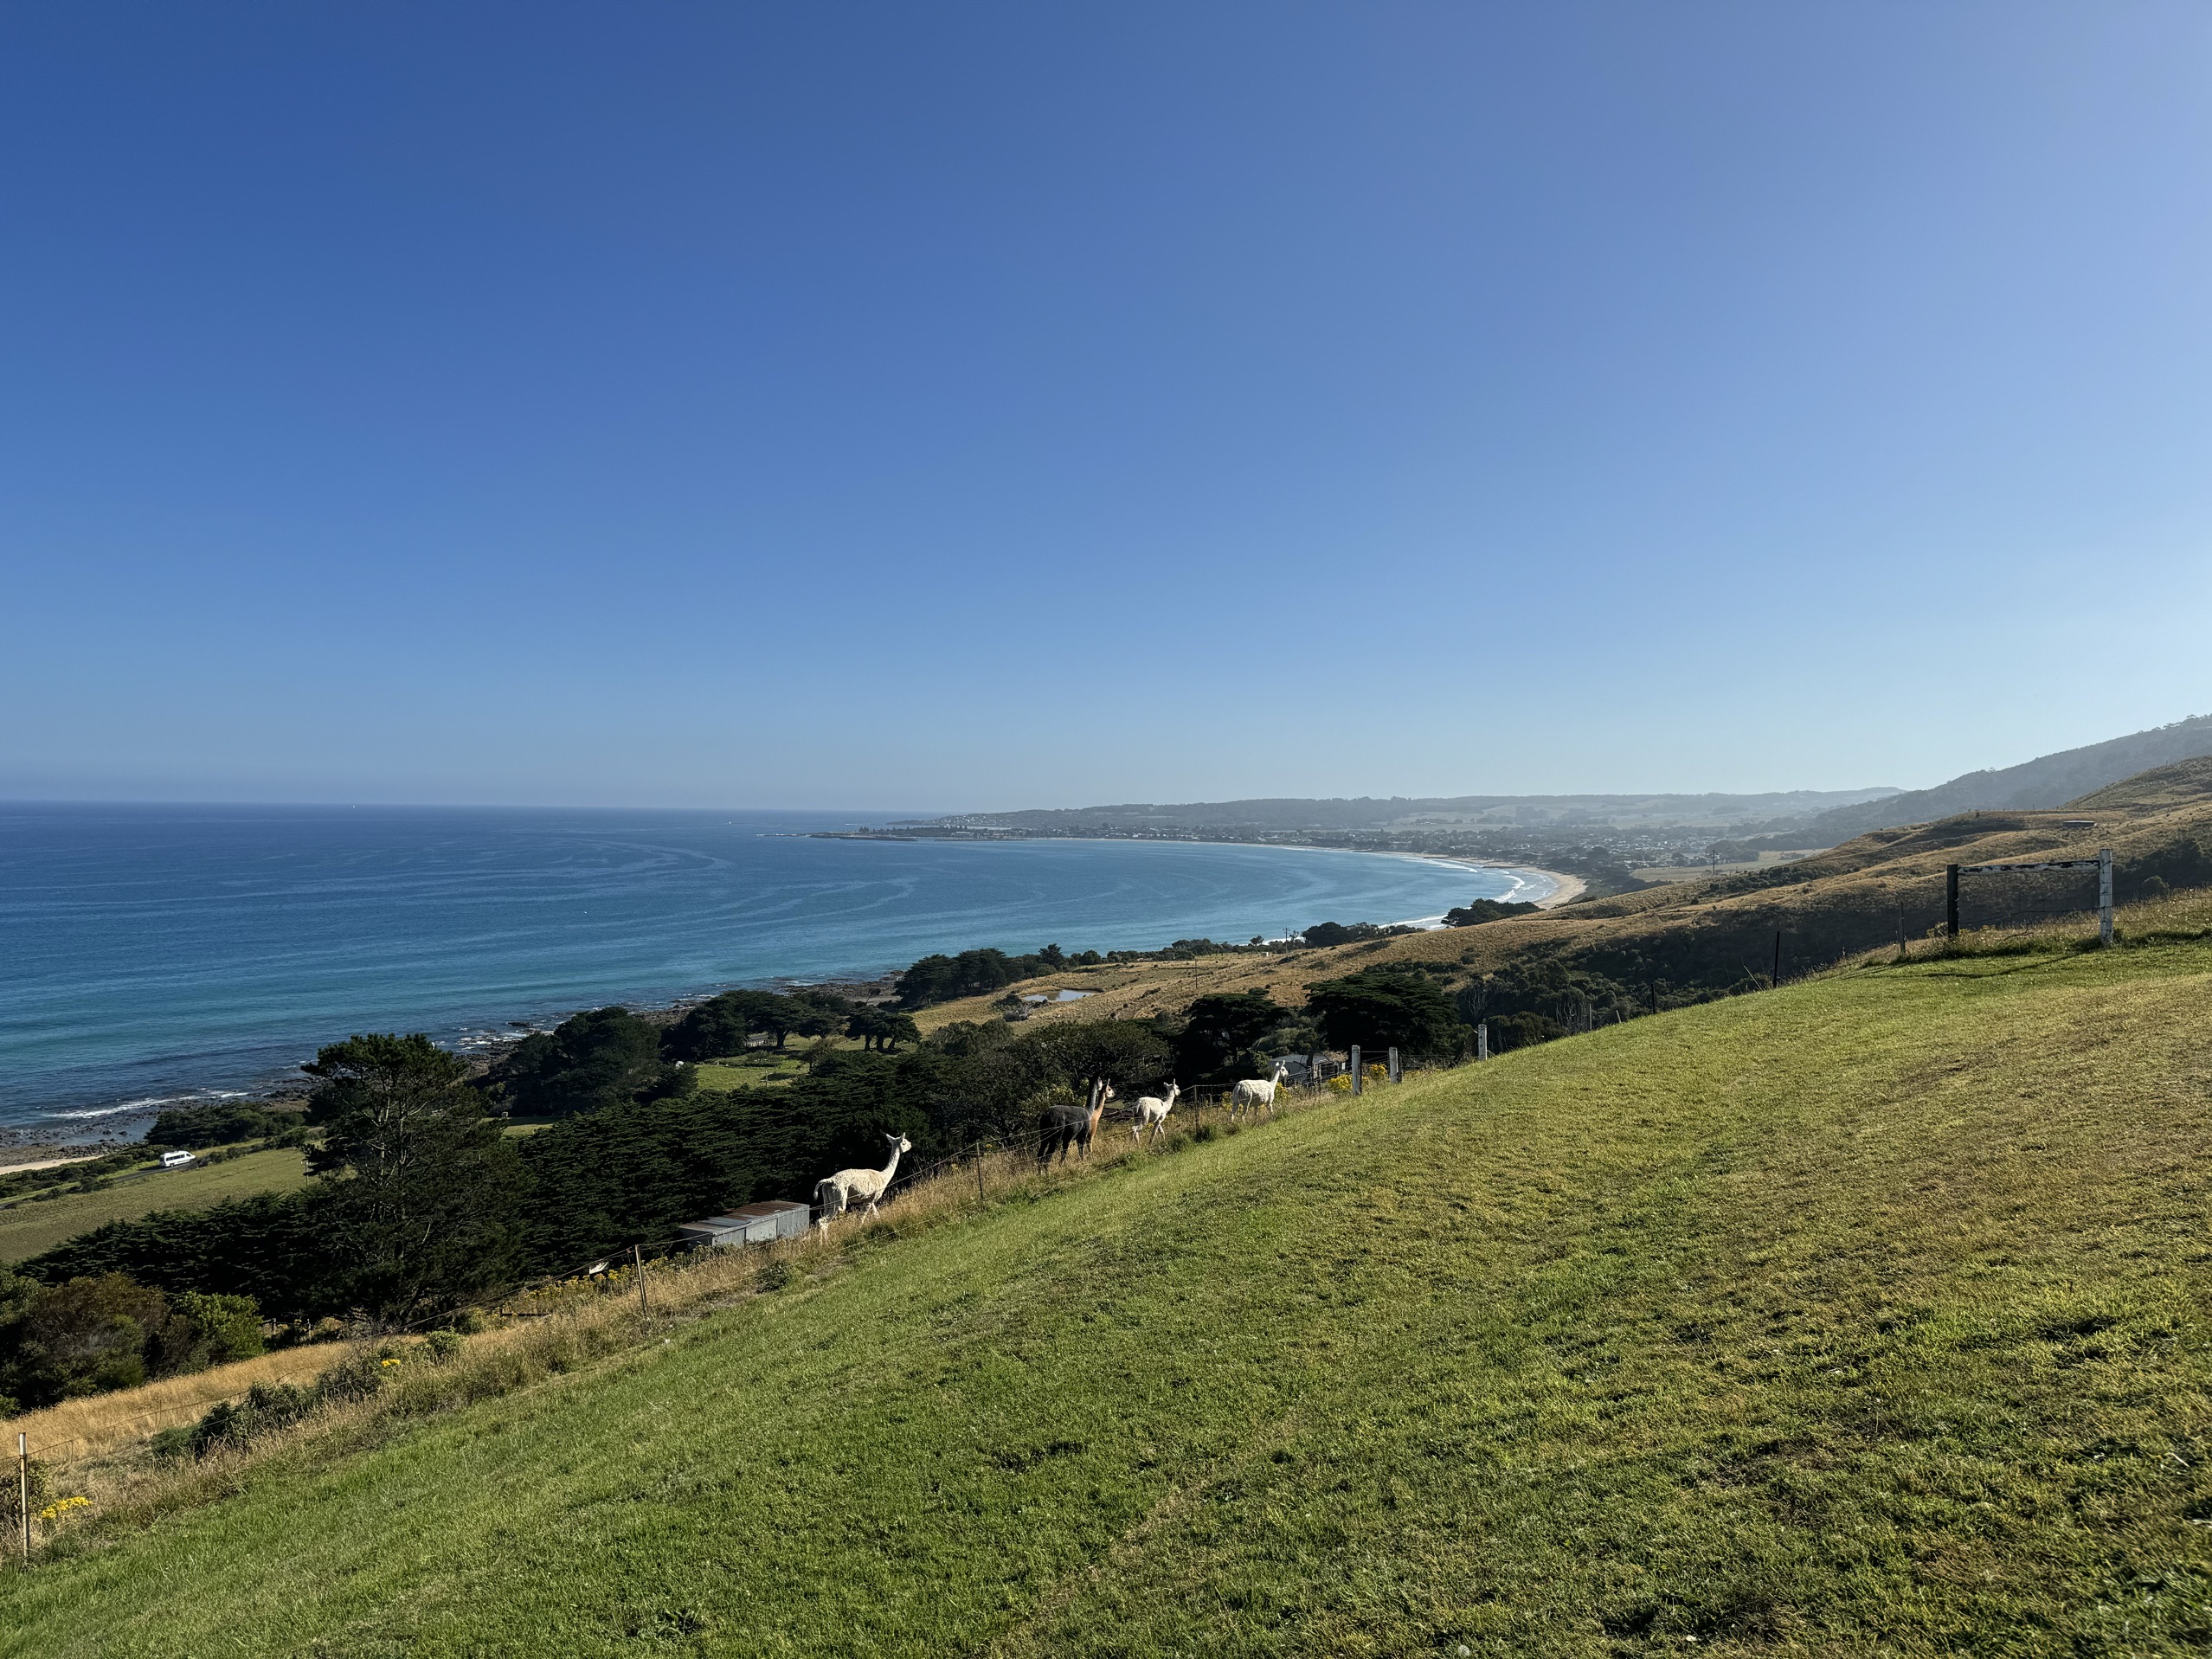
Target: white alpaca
<point>835,1194</point>
<point>1252,1092</point>
<point>1152,1111</point>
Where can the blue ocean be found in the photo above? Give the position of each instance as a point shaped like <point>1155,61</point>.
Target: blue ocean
<point>148,954</point>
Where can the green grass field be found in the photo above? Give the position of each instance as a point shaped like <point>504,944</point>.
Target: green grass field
<point>761,1065</point>
<point>28,1228</point>
<point>1863,1317</point>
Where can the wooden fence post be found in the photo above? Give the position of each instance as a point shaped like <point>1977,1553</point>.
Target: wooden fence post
<point>1482,1040</point>
<point>636,1257</point>
<point>1358,1076</point>
<point>2103,896</point>
<point>1396,1071</point>
<point>1951,901</point>
<point>23,1486</point>
<point>1775,983</point>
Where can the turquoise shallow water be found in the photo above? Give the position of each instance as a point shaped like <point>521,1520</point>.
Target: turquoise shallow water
<point>148,953</point>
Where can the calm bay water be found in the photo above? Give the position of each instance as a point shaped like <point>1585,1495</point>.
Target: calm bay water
<point>154,952</point>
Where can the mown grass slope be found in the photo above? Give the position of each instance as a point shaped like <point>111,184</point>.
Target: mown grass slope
<point>1864,1316</point>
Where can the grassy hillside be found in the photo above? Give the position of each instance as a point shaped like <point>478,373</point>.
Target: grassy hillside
<point>27,1228</point>
<point>1864,1316</point>
<point>1696,937</point>
<point>2047,782</point>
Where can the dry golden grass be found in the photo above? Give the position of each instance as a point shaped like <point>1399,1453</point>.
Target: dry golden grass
<point>105,1424</point>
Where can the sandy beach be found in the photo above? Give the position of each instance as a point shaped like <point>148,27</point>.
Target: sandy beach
<point>1570,888</point>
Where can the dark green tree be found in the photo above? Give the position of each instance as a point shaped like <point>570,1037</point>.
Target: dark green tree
<point>588,1061</point>
<point>420,1193</point>
<point>217,1123</point>
<point>1219,1032</point>
<point>1486,909</point>
<point>1128,1055</point>
<point>270,1247</point>
<point>882,1029</point>
<point>88,1335</point>
<point>1380,1008</point>
<point>720,1025</point>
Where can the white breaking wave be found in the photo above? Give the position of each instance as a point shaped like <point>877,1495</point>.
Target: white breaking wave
<point>199,1097</point>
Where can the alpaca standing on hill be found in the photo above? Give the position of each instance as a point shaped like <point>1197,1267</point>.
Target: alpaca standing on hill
<point>835,1194</point>
<point>1152,1111</point>
<point>1252,1092</point>
<point>1065,1127</point>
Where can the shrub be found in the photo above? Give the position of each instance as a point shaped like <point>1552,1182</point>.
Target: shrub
<point>223,1327</point>
<point>774,1276</point>
<point>267,1408</point>
<point>357,1376</point>
<point>443,1345</point>
<point>89,1336</point>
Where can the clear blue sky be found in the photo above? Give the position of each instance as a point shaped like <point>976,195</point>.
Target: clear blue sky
<point>940,406</point>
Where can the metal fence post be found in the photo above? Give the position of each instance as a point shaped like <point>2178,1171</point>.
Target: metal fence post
<point>2104,895</point>
<point>1359,1077</point>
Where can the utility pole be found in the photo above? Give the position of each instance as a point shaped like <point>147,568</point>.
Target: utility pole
<point>1951,901</point>
<point>1775,983</point>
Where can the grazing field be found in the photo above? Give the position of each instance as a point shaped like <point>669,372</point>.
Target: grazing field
<point>27,1228</point>
<point>1865,1317</point>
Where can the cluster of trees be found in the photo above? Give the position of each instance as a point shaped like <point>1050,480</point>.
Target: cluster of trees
<point>1324,934</point>
<point>978,973</point>
<point>88,1336</point>
<point>640,1170</point>
<point>221,1123</point>
<point>1486,909</point>
<point>1542,997</point>
<point>422,1205</point>
<point>725,1024</point>
<point>415,1209</point>
<point>599,1058</point>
